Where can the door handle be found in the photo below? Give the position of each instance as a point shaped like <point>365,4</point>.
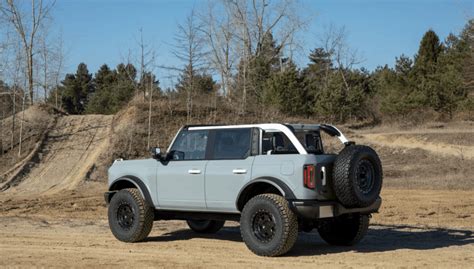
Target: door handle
<point>239,171</point>
<point>194,171</point>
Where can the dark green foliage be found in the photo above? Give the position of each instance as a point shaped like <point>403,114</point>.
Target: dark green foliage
<point>336,93</point>
<point>439,79</point>
<point>114,88</point>
<point>284,90</point>
<point>433,81</point>
<point>428,53</point>
<point>198,84</point>
<point>102,101</point>
<point>252,76</point>
<point>77,87</point>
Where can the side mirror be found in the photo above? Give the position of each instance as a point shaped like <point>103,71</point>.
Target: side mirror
<point>156,153</point>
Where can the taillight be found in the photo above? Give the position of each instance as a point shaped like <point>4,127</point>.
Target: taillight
<point>309,176</point>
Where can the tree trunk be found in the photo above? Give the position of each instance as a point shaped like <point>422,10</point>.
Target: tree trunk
<point>149,112</point>
<point>30,74</point>
<point>1,133</point>
<point>21,124</point>
<point>13,119</point>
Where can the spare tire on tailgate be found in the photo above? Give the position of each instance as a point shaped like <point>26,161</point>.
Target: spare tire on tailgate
<point>357,179</point>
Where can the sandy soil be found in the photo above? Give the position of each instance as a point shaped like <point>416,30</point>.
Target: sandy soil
<point>422,229</point>
<point>71,150</point>
<point>411,142</point>
<point>54,219</point>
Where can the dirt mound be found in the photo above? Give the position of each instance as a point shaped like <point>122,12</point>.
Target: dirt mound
<point>36,121</point>
<point>68,154</point>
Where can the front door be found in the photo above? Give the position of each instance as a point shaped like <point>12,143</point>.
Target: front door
<point>229,167</point>
<point>180,182</point>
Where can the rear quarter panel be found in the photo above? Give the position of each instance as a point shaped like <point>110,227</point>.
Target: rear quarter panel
<point>288,168</point>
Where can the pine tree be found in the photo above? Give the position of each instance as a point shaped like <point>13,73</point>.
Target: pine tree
<point>201,84</point>
<point>101,102</point>
<point>284,90</point>
<point>428,53</point>
<point>77,88</point>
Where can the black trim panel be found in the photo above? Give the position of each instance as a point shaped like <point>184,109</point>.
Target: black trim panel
<point>288,192</point>
<point>289,195</point>
<point>309,209</point>
<point>138,183</point>
<point>186,215</point>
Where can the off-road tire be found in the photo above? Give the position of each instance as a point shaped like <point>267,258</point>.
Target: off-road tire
<point>345,230</point>
<point>137,209</point>
<point>205,226</point>
<point>348,176</point>
<point>285,225</point>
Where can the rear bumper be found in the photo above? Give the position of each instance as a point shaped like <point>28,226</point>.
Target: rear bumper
<point>312,209</point>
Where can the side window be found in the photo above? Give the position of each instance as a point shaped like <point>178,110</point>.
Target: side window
<point>190,145</point>
<point>231,144</point>
<point>277,143</point>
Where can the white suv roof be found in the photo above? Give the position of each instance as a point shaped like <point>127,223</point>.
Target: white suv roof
<point>278,127</point>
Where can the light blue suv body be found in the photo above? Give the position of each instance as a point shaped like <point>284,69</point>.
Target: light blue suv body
<point>217,169</point>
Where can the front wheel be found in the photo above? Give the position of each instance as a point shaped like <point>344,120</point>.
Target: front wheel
<point>268,226</point>
<point>346,230</point>
<point>130,217</point>
<point>205,226</point>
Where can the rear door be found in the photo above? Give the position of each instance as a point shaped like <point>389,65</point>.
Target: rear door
<point>229,166</point>
<point>180,182</point>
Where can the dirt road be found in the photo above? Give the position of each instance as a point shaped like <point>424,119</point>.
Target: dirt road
<point>423,229</point>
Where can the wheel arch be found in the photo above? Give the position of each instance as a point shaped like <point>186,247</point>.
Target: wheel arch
<point>125,182</point>
<point>262,185</point>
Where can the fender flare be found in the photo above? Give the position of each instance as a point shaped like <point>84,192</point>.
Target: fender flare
<point>275,182</point>
<point>138,184</point>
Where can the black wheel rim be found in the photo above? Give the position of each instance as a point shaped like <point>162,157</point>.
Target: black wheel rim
<point>264,226</point>
<point>125,216</point>
<point>365,176</point>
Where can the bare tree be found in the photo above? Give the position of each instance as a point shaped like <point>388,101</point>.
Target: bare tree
<point>58,59</point>
<point>27,27</point>
<point>145,59</point>
<point>239,33</point>
<point>189,50</point>
<point>219,35</point>
<point>334,42</point>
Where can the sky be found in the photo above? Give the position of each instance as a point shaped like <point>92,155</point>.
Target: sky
<point>103,31</point>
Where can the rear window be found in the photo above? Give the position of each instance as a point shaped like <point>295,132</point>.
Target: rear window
<point>231,144</point>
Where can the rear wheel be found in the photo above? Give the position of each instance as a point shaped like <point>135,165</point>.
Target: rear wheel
<point>205,226</point>
<point>268,226</point>
<point>130,217</point>
<point>345,230</point>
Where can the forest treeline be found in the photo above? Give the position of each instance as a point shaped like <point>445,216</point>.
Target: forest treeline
<point>438,78</point>
<point>245,58</point>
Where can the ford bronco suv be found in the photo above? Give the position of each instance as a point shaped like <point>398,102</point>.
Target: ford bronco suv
<point>275,179</point>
